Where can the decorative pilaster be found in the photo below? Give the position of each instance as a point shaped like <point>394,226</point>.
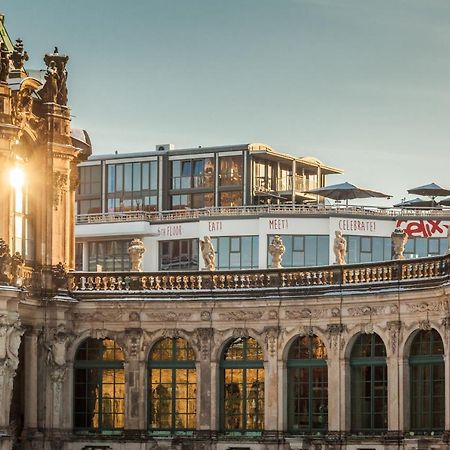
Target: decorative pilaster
<point>271,405</point>
<point>203,340</point>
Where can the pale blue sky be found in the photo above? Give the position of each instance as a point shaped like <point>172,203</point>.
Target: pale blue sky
<point>363,85</point>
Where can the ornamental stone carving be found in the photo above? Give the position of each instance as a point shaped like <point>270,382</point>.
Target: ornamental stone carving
<point>5,260</point>
<point>335,331</point>
<point>203,341</point>
<point>242,315</point>
<point>306,313</point>
<point>394,327</point>
<point>10,336</point>
<point>60,186</point>
<point>425,325</point>
<point>208,253</point>
<point>130,341</point>
<point>56,345</point>
<point>427,307</point>
<point>365,310</point>
<point>271,338</point>
<point>170,316</point>
<point>240,333</point>
<point>399,238</point>
<point>136,250</point>
<point>276,251</point>
<point>339,248</point>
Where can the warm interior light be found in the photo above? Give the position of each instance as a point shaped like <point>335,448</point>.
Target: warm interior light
<point>17,177</point>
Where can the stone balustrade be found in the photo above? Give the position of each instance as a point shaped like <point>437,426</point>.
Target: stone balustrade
<point>257,210</point>
<point>329,278</point>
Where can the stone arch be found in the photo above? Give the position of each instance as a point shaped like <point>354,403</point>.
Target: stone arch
<point>315,331</point>
<point>230,335</point>
<point>94,334</point>
<point>405,344</point>
<point>356,331</point>
<point>171,333</point>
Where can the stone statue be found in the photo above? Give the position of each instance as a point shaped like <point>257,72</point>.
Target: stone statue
<point>208,253</point>
<point>5,261</point>
<point>339,248</point>
<point>19,56</point>
<point>50,88</point>
<point>399,238</point>
<point>10,335</point>
<point>135,251</point>
<point>17,263</point>
<point>276,251</point>
<point>56,356</point>
<point>55,87</point>
<point>4,62</point>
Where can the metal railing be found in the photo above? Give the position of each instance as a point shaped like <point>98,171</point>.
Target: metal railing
<point>308,279</point>
<point>258,210</point>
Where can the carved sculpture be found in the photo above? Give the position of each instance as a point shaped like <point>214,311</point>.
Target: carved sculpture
<point>208,253</point>
<point>4,62</point>
<point>276,251</point>
<point>10,334</point>
<point>19,56</point>
<point>17,263</point>
<point>339,248</point>
<point>5,260</point>
<point>135,251</point>
<point>59,276</point>
<point>399,238</point>
<point>55,87</point>
<point>60,185</point>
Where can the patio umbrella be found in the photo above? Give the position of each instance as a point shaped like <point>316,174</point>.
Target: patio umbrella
<point>346,191</point>
<point>445,202</point>
<point>432,190</point>
<point>415,203</point>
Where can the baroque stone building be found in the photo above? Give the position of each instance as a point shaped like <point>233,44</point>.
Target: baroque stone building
<point>342,356</point>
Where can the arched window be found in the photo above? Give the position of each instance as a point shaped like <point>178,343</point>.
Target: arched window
<point>99,386</point>
<point>427,380</point>
<point>368,384</point>
<point>242,368</point>
<point>307,385</point>
<point>173,386</point>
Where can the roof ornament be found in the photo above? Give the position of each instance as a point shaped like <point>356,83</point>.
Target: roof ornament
<point>4,62</point>
<point>19,55</point>
<point>55,87</point>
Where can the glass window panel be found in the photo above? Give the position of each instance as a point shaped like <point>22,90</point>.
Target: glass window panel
<point>119,177</point>
<point>137,177</point>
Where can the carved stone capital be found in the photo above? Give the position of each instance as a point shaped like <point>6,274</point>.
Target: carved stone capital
<point>203,341</point>
<point>335,332</point>
<point>271,335</point>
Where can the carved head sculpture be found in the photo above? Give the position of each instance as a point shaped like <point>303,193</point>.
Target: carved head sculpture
<point>136,249</point>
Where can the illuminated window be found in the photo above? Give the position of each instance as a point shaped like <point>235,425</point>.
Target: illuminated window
<point>231,170</point>
<point>242,369</point>
<point>307,385</point>
<point>173,386</point>
<point>427,380</point>
<point>99,391</point>
<point>369,384</point>
<point>22,225</point>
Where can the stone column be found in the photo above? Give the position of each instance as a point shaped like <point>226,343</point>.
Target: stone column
<point>135,392</point>
<point>31,378</point>
<point>204,342</point>
<point>271,406</point>
<point>395,384</point>
<point>338,377</point>
<point>10,337</point>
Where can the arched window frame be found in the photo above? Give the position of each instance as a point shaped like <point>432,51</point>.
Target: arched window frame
<point>420,363</point>
<point>372,362</point>
<point>310,365</point>
<point>89,366</point>
<point>245,365</point>
<point>173,364</point>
